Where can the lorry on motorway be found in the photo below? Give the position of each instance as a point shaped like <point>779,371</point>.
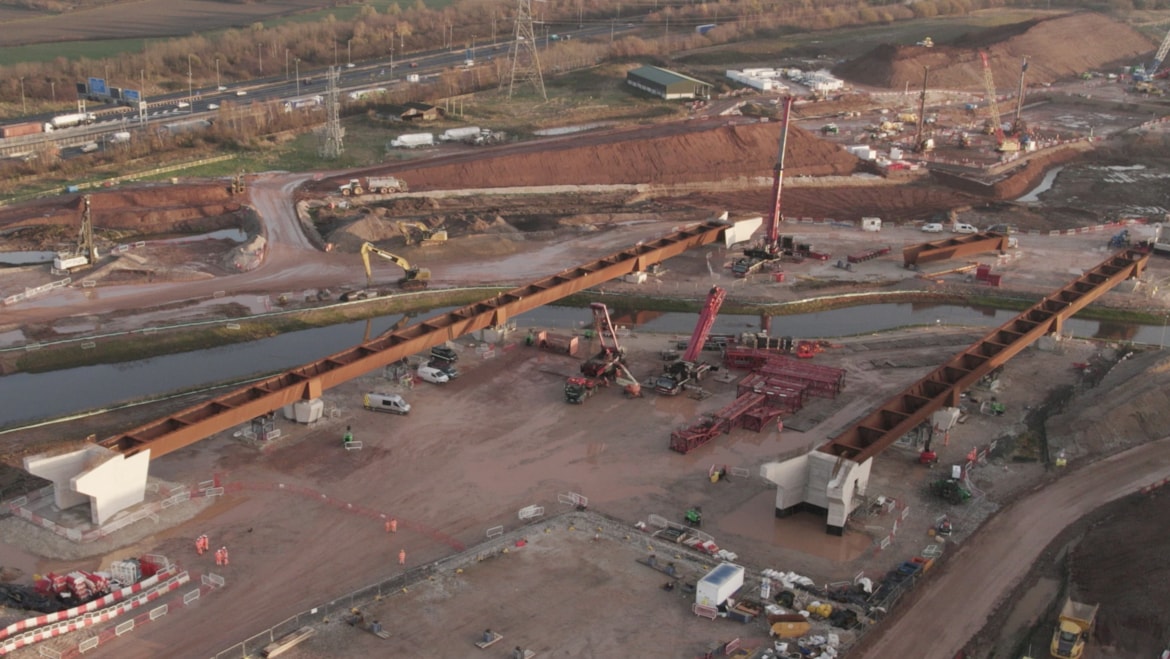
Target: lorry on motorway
<point>376,184</point>
<point>18,130</point>
<point>69,120</point>
<point>120,137</point>
<point>1072,629</point>
<point>412,140</point>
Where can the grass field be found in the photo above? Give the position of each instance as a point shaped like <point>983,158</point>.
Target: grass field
<point>118,29</point>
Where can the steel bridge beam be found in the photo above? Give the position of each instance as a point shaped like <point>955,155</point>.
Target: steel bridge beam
<point>953,248</point>
<point>942,387</point>
<point>307,382</point>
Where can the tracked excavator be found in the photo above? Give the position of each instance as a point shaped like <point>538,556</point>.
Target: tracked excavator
<point>417,233</point>
<point>415,278</point>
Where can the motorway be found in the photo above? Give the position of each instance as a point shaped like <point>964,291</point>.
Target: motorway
<point>203,102</point>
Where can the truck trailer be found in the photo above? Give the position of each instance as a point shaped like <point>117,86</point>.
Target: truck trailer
<point>69,120</point>
<point>413,140</point>
<point>375,184</point>
<point>19,130</point>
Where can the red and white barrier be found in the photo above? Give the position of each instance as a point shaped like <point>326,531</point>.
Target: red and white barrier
<point>116,596</point>
<point>94,617</point>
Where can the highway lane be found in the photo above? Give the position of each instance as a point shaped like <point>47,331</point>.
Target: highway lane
<point>203,102</point>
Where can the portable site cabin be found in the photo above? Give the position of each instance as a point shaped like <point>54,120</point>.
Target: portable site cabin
<point>719,584</point>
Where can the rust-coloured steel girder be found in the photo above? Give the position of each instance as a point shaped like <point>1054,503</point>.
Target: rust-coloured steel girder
<point>942,387</point>
<point>306,382</point>
<point>953,248</point>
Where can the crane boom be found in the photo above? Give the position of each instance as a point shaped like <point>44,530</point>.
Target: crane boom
<point>706,320</point>
<point>774,217</point>
<point>918,143</point>
<point>992,105</point>
<point>1160,56</point>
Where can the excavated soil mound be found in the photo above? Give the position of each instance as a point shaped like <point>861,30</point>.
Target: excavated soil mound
<point>1120,564</point>
<point>1056,48</point>
<point>693,154</point>
<point>1132,406</point>
<point>146,209</point>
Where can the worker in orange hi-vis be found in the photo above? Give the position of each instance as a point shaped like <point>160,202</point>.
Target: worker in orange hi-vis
<point>387,526</point>
<point>225,555</point>
<point>402,557</point>
<point>199,545</point>
<point>206,542</point>
<point>393,525</point>
<point>219,557</point>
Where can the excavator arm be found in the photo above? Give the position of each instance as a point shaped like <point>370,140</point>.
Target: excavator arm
<point>412,272</point>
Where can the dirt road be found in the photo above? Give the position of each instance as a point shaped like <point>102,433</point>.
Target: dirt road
<point>957,603</point>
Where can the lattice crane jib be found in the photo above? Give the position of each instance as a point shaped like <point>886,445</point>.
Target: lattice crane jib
<point>604,328</point>
<point>706,321</point>
<point>525,55</point>
<point>85,246</point>
<point>992,105</point>
<point>1160,57</point>
<point>774,214</point>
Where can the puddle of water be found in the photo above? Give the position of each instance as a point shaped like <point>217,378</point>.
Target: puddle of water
<point>568,130</point>
<point>1045,185</point>
<point>26,258</point>
<point>802,532</point>
<point>234,235</point>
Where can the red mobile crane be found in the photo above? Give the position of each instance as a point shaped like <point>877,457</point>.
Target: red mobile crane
<point>755,257</point>
<point>1003,143</point>
<point>604,363</point>
<point>678,373</point>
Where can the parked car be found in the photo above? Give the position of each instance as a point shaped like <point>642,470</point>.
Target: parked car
<point>444,353</point>
<point>960,227</point>
<point>446,367</point>
<point>933,227</point>
<point>392,403</point>
<point>432,375</point>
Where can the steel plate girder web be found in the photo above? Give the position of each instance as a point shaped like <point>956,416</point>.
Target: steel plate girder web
<point>905,411</point>
<point>953,248</point>
<point>195,423</point>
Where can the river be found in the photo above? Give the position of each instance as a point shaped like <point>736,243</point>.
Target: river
<point>31,396</point>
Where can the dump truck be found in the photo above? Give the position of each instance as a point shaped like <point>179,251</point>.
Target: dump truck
<point>1072,629</point>
<point>376,184</point>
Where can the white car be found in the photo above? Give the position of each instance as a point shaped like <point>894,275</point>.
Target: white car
<point>432,375</point>
<point>933,227</point>
<point>213,106</point>
<point>241,93</point>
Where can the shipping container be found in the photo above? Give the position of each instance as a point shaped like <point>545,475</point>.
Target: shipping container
<point>17,130</point>
<point>455,134</point>
<point>719,584</point>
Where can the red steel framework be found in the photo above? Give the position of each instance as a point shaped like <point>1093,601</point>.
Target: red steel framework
<point>953,248</point>
<point>706,321</point>
<point>943,386</point>
<point>307,382</point>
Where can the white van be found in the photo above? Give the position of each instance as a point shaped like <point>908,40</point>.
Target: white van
<point>959,227</point>
<point>432,374</point>
<point>392,403</point>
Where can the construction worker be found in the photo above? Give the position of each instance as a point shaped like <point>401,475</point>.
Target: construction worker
<point>219,557</point>
<point>402,557</point>
<point>206,542</point>
<point>225,555</point>
<point>199,545</point>
<point>997,408</point>
<point>347,437</point>
<point>393,525</point>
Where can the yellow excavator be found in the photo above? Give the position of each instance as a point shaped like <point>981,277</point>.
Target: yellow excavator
<point>417,233</point>
<point>414,279</point>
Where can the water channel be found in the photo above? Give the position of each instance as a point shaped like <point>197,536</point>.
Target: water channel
<point>31,396</point>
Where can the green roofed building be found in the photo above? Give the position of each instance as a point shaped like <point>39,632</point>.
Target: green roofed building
<point>667,84</point>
